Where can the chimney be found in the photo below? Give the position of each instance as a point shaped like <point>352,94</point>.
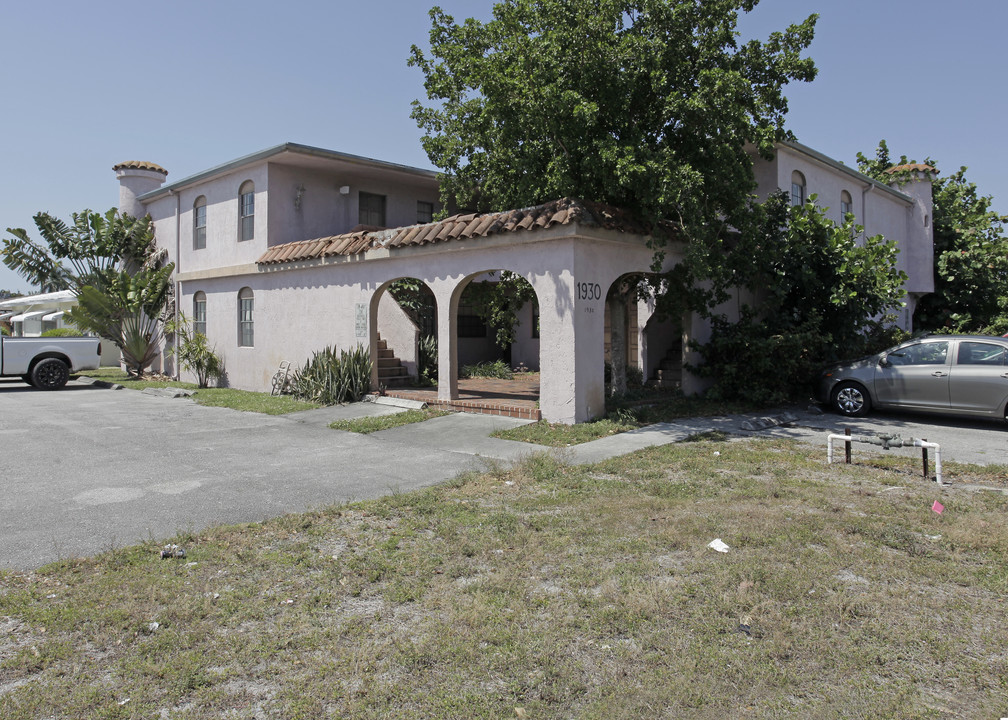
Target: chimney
<point>136,178</point>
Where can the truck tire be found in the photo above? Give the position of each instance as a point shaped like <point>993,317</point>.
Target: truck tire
<point>50,374</point>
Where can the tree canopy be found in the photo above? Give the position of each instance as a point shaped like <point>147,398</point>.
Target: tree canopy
<point>970,251</point>
<point>649,105</point>
<point>112,264</point>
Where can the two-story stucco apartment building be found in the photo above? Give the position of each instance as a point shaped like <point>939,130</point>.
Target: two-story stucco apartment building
<point>291,249</point>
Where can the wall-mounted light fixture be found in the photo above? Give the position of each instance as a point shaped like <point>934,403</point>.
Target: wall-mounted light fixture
<point>344,190</point>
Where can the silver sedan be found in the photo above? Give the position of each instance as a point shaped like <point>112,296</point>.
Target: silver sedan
<point>951,374</point>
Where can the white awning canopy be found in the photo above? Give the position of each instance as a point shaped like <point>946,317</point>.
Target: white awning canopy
<point>53,316</point>
<point>28,315</point>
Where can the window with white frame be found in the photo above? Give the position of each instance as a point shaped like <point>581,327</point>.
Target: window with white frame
<point>371,209</point>
<point>797,189</point>
<point>199,313</point>
<point>246,213</point>
<point>199,223</point>
<point>246,302</point>
<point>846,205</point>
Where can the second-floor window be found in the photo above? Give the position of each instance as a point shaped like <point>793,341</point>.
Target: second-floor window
<point>371,209</point>
<point>846,206</point>
<point>199,223</point>
<point>797,189</point>
<point>424,211</point>
<point>246,213</point>
<point>199,313</point>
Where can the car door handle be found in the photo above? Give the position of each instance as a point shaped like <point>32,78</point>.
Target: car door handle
<point>938,373</point>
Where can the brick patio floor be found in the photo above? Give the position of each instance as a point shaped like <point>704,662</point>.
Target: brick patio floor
<point>517,398</point>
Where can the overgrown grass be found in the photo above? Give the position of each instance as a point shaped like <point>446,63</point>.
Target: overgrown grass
<point>367,425</point>
<point>560,435</point>
<point>216,397</point>
<point>561,591</point>
<point>644,407</point>
<point>496,369</point>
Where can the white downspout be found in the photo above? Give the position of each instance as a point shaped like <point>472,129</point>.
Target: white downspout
<point>864,207</point>
<point>178,268</point>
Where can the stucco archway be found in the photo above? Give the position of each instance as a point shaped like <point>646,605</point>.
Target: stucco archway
<point>465,337</point>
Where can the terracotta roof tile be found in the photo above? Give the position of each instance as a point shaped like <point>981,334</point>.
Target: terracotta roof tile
<point>468,226</point>
<point>139,165</point>
<point>912,167</point>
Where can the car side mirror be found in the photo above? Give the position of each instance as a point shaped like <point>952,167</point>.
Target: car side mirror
<point>883,361</point>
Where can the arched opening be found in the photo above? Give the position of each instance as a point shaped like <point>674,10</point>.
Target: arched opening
<point>404,334</point>
<point>624,320</point>
<point>495,321</point>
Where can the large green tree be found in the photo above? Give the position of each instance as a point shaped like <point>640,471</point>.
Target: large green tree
<point>970,251</point>
<point>649,105</point>
<point>113,265</point>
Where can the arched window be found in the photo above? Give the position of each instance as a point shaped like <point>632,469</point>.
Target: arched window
<point>199,223</point>
<point>199,313</point>
<point>246,301</point>
<point>846,205</point>
<point>246,213</point>
<point>797,189</point>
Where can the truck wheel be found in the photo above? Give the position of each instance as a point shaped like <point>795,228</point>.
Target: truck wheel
<point>50,374</point>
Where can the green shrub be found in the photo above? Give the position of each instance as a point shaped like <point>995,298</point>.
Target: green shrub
<point>193,352</point>
<point>427,361</point>
<point>332,377</point>
<point>63,332</point>
<point>4,330</point>
<point>496,369</point>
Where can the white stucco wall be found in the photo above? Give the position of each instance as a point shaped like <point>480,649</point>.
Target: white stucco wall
<point>299,310</point>
<point>324,211</point>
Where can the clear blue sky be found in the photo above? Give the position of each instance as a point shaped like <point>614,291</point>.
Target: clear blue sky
<point>190,85</point>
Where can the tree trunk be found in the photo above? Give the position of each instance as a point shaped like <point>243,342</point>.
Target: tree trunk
<point>618,342</point>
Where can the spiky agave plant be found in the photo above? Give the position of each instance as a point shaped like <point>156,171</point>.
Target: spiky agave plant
<point>334,376</point>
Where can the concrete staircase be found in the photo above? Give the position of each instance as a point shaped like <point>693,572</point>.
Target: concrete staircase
<point>391,371</point>
<point>669,371</point>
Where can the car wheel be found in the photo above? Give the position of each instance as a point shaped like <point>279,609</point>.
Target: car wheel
<point>50,374</point>
<point>851,399</point>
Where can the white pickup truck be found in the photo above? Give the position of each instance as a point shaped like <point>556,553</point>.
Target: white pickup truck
<point>45,362</point>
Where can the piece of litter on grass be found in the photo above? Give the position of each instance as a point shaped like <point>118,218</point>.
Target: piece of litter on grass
<point>743,628</point>
<point>933,537</point>
<point>718,544</point>
<point>509,482</point>
<point>123,701</point>
<point>717,453</point>
<point>938,507</point>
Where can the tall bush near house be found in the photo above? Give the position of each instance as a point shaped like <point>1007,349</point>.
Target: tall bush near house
<point>194,353</point>
<point>817,293</point>
<point>113,264</point>
<point>334,376</point>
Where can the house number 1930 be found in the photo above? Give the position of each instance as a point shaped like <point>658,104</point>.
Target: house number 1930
<point>589,291</point>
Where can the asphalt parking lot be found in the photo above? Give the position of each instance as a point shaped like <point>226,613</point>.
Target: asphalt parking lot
<point>86,469</point>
